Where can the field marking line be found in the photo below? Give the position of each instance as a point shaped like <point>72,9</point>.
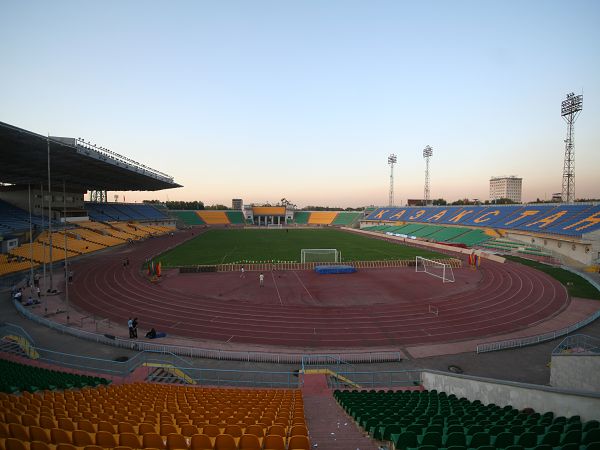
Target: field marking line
<point>275,283</point>
<point>175,324</point>
<point>303,285</point>
<point>227,254</point>
<point>232,336</point>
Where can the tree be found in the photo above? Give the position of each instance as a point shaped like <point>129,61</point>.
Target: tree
<point>440,202</point>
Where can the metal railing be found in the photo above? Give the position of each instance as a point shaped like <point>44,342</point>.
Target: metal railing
<point>198,352</point>
<point>537,339</point>
<point>578,344</point>
<point>380,379</point>
<point>12,329</point>
<point>532,340</point>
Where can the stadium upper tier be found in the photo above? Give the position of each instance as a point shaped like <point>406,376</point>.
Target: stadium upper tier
<point>123,211</point>
<point>81,165</point>
<point>16,220</point>
<point>569,220</point>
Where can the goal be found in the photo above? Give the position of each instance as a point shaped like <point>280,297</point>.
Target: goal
<point>320,255</point>
<point>274,225</point>
<point>437,269</point>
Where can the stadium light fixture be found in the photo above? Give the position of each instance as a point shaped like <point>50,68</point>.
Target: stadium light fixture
<point>392,159</point>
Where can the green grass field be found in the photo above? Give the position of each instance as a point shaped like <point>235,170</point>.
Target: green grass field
<point>576,285</point>
<point>247,246</point>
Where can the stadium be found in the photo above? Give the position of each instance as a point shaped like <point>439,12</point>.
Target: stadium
<point>269,327</point>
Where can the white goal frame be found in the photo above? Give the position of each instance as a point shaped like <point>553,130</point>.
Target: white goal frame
<point>275,225</point>
<point>336,254</point>
<point>443,270</point>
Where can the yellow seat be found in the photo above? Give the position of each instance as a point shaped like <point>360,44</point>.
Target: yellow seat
<point>225,442</point>
<point>127,439</point>
<point>15,444</point>
<point>39,445</point>
<point>82,438</point>
<point>249,442</point>
<point>273,442</point>
<point>39,434</point>
<point>18,431</point>
<point>105,439</point>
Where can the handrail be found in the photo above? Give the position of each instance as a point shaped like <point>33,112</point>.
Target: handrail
<point>16,329</point>
<point>531,340</point>
<point>578,344</point>
<point>199,352</point>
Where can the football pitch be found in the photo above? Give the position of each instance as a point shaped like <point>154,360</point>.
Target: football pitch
<point>282,245</point>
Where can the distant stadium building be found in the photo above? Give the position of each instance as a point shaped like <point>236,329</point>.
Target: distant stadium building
<point>506,187</point>
<point>237,204</point>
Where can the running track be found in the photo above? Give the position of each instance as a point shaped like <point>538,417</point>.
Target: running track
<point>509,297</point>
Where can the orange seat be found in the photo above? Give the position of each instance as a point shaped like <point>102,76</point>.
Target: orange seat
<point>15,444</point>
<point>127,439</point>
<point>144,428</point>
<point>48,422</point>
<point>189,430</point>
<point>4,433</point>
<point>225,442</point>
<point>28,420</point>
<point>105,439</point>
<point>39,434</point>
<point>277,429</point>
<point>39,445</point>
<point>274,442</point>
<point>201,442</point>
<point>167,428</point>
<point>299,443</point>
<point>86,425</point>
<point>211,430</point>
<point>66,424</point>
<point>18,431</point>
<point>104,425</point>
<point>249,442</point>
<point>97,447</point>
<point>176,441</point>
<point>298,430</point>
<point>153,440</point>
<point>82,438</point>
<point>66,447</point>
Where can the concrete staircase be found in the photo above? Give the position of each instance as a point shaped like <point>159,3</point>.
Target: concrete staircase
<point>330,427</point>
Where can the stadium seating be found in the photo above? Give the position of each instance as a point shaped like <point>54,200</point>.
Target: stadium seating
<point>105,212</point>
<point>301,217</point>
<point>144,415</point>
<point>20,377</point>
<point>16,220</point>
<point>91,233</point>
<point>428,419</point>
<point>471,238</point>
<point>11,265</point>
<point>235,217</point>
<point>570,220</point>
<point>73,245</point>
<point>346,218</point>
<point>188,217</point>
<point>40,253</point>
<point>214,217</point>
<point>321,217</point>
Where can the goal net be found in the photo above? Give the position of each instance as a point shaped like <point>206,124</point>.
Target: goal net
<point>274,225</point>
<point>437,269</point>
<point>320,255</point>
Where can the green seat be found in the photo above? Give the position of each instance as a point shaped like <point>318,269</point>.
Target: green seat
<point>504,439</point>
<point>405,440</point>
<point>432,438</point>
<point>478,439</point>
<point>571,437</point>
<point>593,435</point>
<point>454,439</point>
<point>592,424</point>
<point>593,446</point>
<point>527,439</point>
<point>551,438</point>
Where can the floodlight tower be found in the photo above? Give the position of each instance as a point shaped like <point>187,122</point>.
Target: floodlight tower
<point>427,153</point>
<point>391,161</point>
<point>569,110</point>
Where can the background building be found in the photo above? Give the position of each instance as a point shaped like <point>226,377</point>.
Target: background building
<point>506,187</point>
<point>237,204</point>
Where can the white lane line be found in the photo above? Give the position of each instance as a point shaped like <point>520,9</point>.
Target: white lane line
<point>307,291</point>
<point>275,283</point>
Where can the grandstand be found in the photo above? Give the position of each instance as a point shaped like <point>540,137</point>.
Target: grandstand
<point>557,229</point>
<point>56,410</point>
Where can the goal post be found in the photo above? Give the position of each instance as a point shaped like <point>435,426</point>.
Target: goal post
<point>274,225</point>
<point>435,268</point>
<point>320,255</point>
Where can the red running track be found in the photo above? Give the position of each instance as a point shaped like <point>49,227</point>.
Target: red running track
<point>373,308</point>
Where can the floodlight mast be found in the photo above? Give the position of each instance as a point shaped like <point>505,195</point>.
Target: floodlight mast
<point>569,110</point>
<point>392,159</point>
<point>427,153</point>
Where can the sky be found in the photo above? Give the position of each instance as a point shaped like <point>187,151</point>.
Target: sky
<point>305,100</point>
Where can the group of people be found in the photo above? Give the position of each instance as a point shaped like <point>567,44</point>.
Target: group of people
<point>261,277</point>
<point>132,324</point>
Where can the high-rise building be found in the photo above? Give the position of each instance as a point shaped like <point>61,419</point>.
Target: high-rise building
<point>506,187</point>
<point>237,204</point>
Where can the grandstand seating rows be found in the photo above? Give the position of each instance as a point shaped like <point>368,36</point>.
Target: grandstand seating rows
<point>9,266</point>
<point>321,217</point>
<point>144,415</point>
<point>106,212</point>
<point>428,419</point>
<point>21,377</point>
<point>212,217</point>
<point>188,217</point>
<point>571,220</point>
<point>453,235</point>
<point>16,220</point>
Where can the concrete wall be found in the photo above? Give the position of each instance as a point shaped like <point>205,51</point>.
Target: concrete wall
<point>581,251</point>
<point>519,395</point>
<point>573,371</point>
<point>20,198</point>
